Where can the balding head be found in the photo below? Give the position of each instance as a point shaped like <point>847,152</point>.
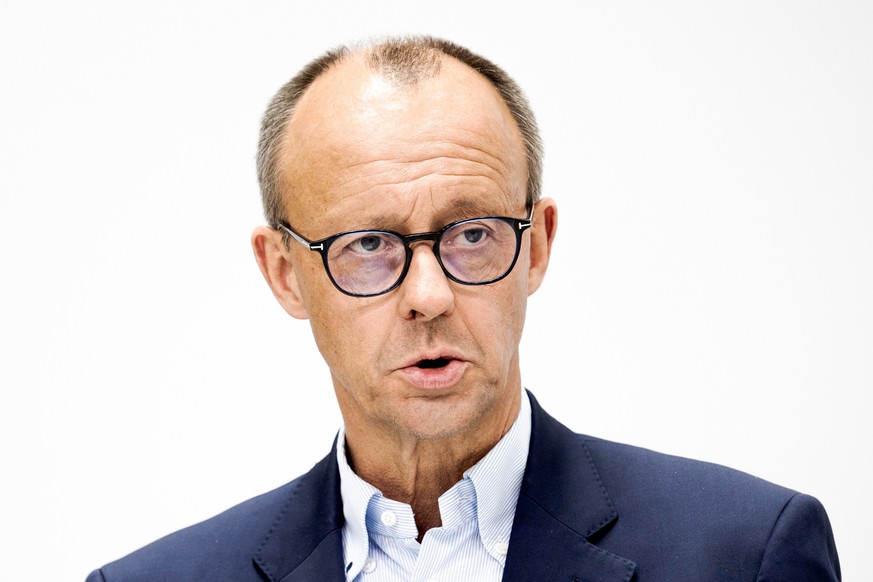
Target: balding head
<point>401,62</point>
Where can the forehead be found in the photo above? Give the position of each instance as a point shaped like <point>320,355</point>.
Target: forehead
<point>360,144</point>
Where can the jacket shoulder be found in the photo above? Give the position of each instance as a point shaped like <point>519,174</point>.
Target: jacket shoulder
<point>673,517</point>
<point>718,518</point>
<point>628,470</point>
<point>219,548</point>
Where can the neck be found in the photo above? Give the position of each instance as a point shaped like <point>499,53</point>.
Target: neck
<point>418,471</point>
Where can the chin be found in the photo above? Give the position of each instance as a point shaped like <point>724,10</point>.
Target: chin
<point>440,419</point>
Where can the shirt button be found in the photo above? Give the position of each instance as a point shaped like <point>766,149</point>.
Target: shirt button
<point>501,548</point>
<point>369,566</point>
<point>388,518</point>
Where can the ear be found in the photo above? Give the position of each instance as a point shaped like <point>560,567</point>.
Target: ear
<point>276,266</point>
<point>545,225</point>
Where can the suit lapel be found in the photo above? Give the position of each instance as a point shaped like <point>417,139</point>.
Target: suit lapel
<point>561,504</point>
<point>305,542</point>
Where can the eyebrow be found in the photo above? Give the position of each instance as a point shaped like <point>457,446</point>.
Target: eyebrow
<point>459,210</point>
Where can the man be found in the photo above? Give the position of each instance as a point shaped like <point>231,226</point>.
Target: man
<point>401,181</point>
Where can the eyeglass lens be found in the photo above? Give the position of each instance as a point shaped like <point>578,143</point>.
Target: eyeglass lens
<point>478,251</point>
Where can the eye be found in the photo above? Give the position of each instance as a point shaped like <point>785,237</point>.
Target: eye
<point>470,235</point>
<point>365,244</point>
<point>368,244</point>
<point>473,235</point>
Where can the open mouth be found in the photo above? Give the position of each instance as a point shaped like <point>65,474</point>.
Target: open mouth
<point>435,373</point>
<point>430,364</point>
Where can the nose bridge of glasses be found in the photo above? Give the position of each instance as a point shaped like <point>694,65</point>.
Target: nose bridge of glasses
<point>424,237</point>
<point>412,239</point>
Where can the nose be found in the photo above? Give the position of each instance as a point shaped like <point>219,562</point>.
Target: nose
<point>426,292</point>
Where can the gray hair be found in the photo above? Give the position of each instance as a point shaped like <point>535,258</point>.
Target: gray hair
<point>404,61</point>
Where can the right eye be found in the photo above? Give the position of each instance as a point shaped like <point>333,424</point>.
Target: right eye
<point>367,244</point>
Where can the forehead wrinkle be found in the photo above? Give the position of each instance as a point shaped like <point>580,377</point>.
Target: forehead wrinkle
<point>418,150</point>
<point>460,174</point>
<point>459,209</point>
<point>465,161</point>
<point>452,191</point>
<point>422,171</point>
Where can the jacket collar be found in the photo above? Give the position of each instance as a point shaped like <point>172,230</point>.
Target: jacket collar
<point>562,503</point>
<point>305,541</point>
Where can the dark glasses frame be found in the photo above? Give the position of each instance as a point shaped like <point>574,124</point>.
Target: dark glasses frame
<point>519,225</point>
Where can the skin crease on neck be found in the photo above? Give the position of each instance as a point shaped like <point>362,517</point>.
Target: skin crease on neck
<point>363,152</point>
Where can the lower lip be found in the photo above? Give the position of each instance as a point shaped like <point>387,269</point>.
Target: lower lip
<point>435,378</point>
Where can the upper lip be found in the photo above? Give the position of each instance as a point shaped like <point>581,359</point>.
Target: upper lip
<point>433,354</point>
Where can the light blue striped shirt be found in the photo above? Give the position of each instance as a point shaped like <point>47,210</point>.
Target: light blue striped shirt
<point>380,536</point>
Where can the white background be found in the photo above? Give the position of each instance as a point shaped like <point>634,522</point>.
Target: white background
<point>709,296</point>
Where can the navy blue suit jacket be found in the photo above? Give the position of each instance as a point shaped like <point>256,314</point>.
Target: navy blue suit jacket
<point>589,511</point>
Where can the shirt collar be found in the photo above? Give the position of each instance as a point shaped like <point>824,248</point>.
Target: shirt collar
<point>496,480</point>
<point>356,494</point>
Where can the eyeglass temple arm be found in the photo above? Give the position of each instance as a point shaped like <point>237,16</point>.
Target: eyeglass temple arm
<point>524,224</point>
<point>309,244</point>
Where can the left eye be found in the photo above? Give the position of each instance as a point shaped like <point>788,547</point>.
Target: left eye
<point>369,243</point>
<point>474,235</point>
<point>469,235</point>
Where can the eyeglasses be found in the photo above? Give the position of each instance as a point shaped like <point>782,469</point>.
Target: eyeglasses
<point>364,263</point>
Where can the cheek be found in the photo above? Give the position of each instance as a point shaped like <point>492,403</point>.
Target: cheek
<point>347,335</point>
<point>515,306</point>
<point>514,320</point>
<point>333,329</point>
<point>496,320</point>
<point>328,312</point>
<point>513,297</point>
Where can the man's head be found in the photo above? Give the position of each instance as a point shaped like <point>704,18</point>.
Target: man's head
<point>405,137</point>
<point>404,61</point>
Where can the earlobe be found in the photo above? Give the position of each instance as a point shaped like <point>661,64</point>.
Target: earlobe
<point>545,225</point>
<point>278,270</point>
